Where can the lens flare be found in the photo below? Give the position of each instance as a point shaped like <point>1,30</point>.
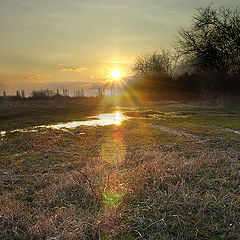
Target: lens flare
<point>112,198</point>
<point>113,152</point>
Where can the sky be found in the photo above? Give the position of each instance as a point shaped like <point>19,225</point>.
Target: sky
<point>78,43</point>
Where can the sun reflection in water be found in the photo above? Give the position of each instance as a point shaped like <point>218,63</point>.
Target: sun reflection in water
<point>119,117</point>
<point>104,119</point>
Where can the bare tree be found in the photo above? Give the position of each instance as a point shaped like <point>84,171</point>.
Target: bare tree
<point>42,94</point>
<point>23,93</point>
<point>82,93</point>
<point>155,65</point>
<point>65,92</point>
<point>212,42</point>
<point>18,94</point>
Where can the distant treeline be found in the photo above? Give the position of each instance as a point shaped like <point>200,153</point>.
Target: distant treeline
<point>204,58</point>
<point>57,94</point>
<point>44,94</point>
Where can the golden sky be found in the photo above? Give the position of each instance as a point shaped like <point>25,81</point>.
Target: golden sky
<point>77,43</point>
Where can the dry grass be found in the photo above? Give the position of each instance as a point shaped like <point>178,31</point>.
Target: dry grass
<point>193,199</point>
<point>58,185</point>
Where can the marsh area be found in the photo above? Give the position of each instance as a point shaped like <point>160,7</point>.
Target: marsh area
<point>151,171</point>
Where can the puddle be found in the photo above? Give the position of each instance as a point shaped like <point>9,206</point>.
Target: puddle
<point>105,119</point>
<point>127,108</point>
<point>26,130</point>
<point>115,118</point>
<point>231,130</point>
<point>226,129</point>
<point>3,133</point>
<point>151,114</point>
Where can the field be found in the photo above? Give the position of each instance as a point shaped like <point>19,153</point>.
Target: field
<point>171,171</point>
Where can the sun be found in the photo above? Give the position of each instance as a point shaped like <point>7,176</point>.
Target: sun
<point>116,74</point>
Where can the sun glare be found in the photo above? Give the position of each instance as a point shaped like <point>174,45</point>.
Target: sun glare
<point>116,74</point>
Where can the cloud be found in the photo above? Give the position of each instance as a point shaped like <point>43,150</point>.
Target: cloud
<point>73,69</point>
<point>36,77</point>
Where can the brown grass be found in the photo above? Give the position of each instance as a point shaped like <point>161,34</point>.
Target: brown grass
<point>57,185</point>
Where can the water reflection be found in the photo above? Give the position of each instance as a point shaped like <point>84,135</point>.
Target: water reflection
<point>3,133</point>
<point>105,119</point>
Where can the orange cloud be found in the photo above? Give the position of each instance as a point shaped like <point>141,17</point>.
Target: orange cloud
<point>36,77</point>
<point>74,69</point>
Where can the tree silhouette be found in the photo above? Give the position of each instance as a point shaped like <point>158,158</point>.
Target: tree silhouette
<point>23,93</point>
<point>18,94</point>
<point>154,65</point>
<point>212,42</point>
